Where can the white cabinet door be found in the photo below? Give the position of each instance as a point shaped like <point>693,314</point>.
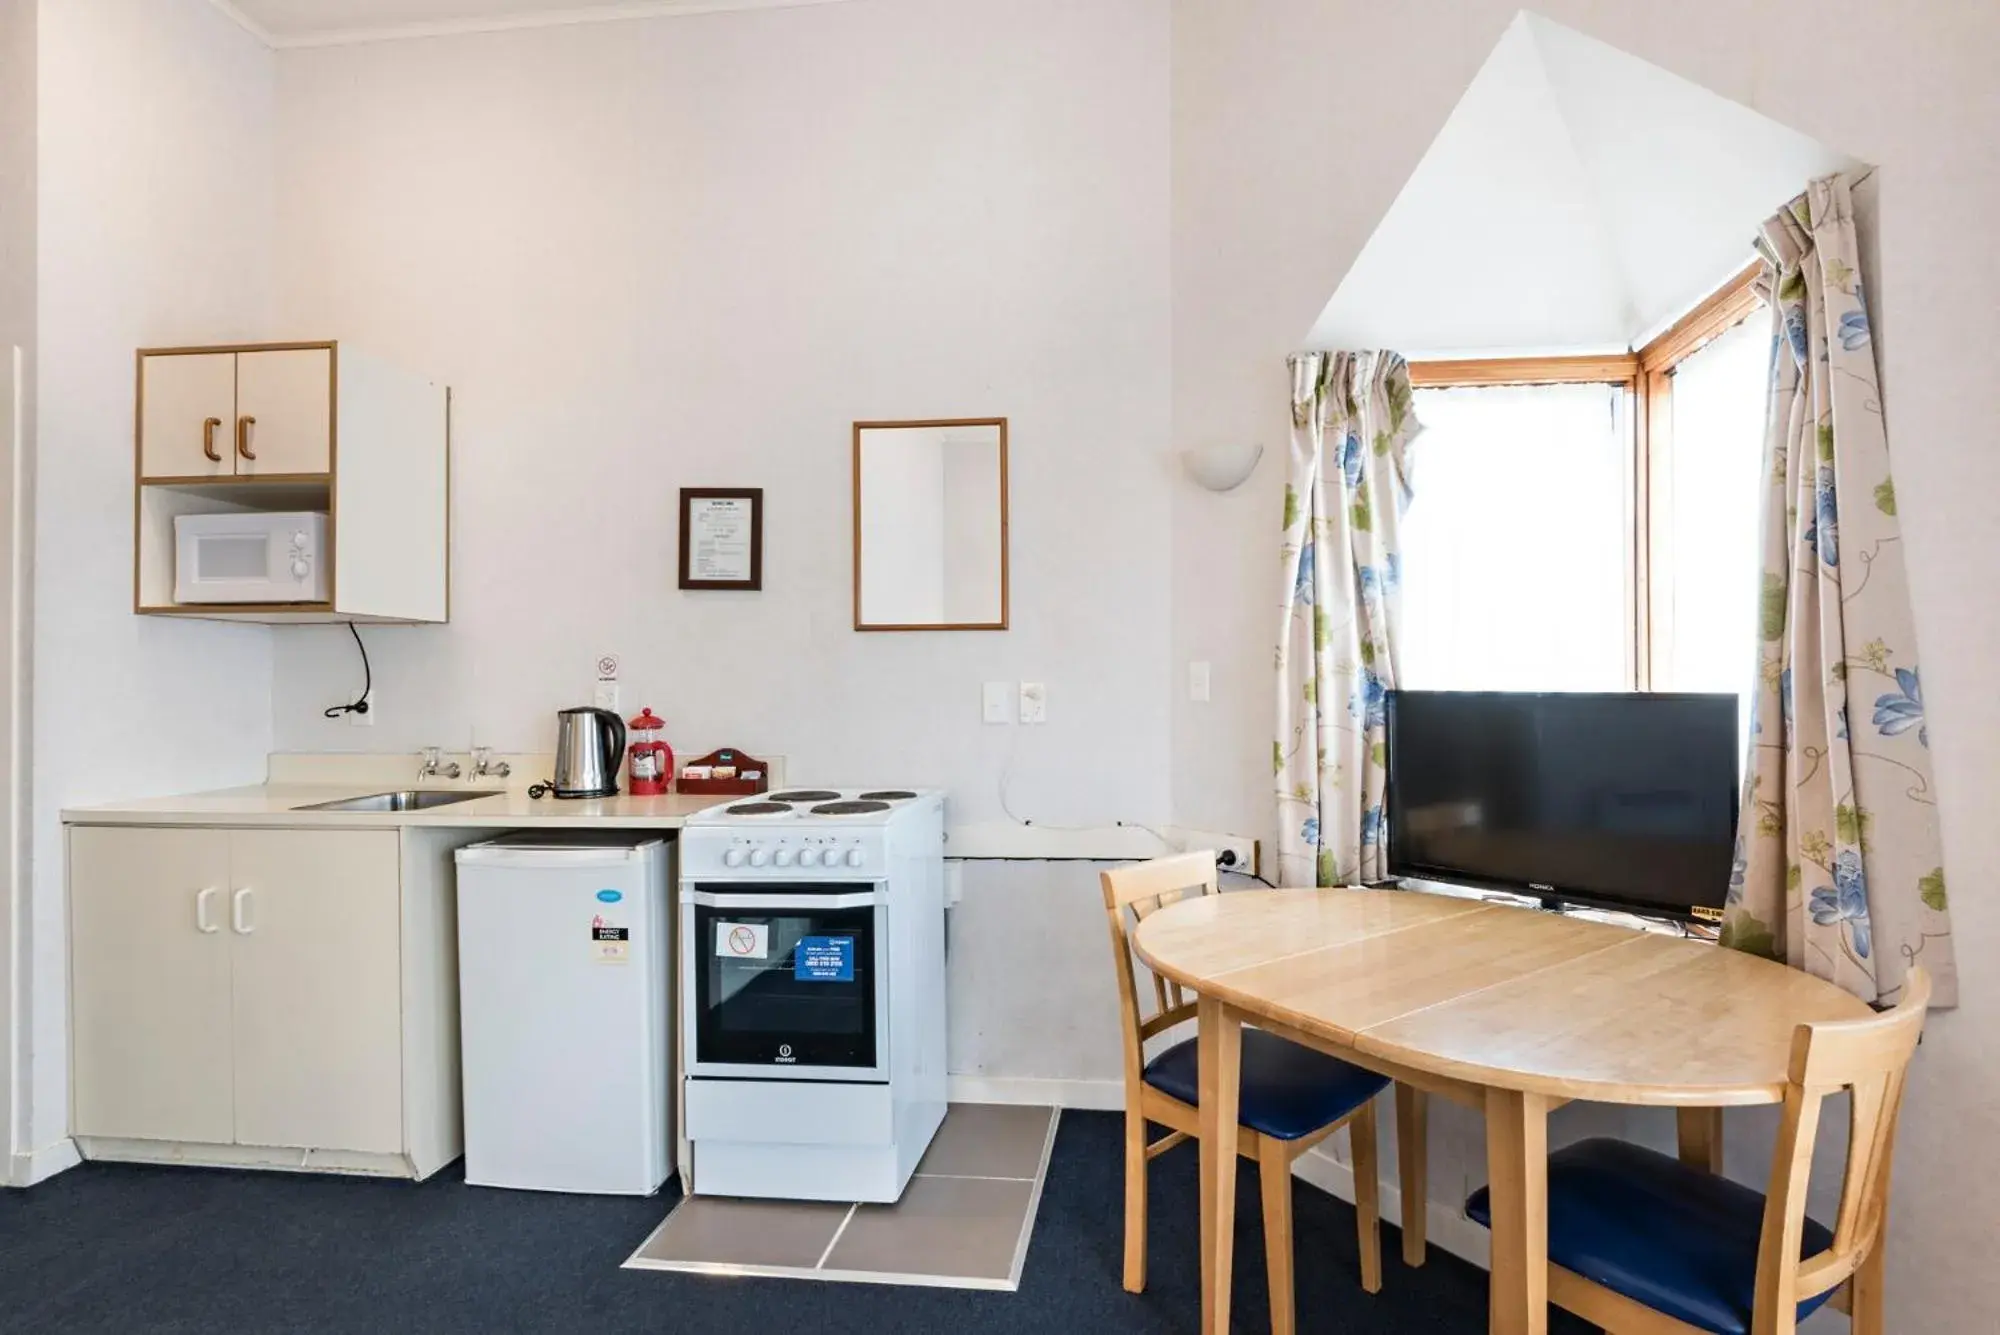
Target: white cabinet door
<point>316,930</point>
<point>187,414</point>
<point>284,412</point>
<point>149,984</point>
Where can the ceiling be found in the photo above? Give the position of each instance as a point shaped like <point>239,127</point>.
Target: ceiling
<point>1577,200</point>
<point>332,22</point>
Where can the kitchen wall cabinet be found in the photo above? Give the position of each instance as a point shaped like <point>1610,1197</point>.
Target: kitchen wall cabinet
<point>268,997</point>
<point>298,426</point>
<point>284,411</point>
<point>187,414</point>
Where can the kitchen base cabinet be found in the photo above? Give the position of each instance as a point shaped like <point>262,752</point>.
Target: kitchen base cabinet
<point>149,981</point>
<point>278,998</point>
<point>317,1015</point>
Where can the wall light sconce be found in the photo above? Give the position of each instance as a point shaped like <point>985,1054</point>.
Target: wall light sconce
<point>1222,467</point>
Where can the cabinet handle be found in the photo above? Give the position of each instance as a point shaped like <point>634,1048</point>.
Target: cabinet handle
<point>243,425</point>
<point>239,917</point>
<point>208,430</point>
<point>201,918</point>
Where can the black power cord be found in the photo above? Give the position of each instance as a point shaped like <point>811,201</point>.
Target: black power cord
<point>360,702</point>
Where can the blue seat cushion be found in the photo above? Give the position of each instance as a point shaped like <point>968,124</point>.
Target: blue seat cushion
<point>1288,1090</point>
<point>1674,1238</point>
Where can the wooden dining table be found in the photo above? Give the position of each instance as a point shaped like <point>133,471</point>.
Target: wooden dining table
<point>1509,1010</point>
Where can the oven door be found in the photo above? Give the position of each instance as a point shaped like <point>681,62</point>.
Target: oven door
<point>785,981</point>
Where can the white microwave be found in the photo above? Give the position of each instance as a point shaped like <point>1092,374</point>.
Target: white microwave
<point>251,557</point>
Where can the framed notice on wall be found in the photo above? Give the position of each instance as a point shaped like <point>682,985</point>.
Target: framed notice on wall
<point>722,538</point>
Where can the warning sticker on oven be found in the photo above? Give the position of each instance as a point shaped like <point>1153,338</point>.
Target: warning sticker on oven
<point>609,944</point>
<point>743,940</point>
<point>824,959</point>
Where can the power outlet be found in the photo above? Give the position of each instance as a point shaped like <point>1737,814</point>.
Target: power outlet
<point>1236,855</point>
<point>1034,702</point>
<point>363,718</point>
<point>605,695</point>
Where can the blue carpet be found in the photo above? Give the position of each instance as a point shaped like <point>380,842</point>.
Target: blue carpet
<point>128,1249</point>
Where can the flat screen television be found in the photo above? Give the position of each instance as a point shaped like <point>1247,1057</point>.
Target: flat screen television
<point>1621,801</point>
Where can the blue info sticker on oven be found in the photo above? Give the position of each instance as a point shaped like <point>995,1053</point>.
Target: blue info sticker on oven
<point>824,959</point>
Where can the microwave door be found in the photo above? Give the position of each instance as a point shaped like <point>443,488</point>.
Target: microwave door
<point>223,559</point>
<point>249,558</point>
<point>232,567</point>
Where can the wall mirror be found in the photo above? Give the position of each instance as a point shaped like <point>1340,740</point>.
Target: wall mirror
<point>930,525</point>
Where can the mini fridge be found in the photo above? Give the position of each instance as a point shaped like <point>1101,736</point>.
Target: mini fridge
<point>565,951</point>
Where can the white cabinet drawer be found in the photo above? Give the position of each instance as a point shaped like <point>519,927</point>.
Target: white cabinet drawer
<point>802,1113</point>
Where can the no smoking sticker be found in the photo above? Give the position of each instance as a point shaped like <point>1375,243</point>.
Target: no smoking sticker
<point>743,940</point>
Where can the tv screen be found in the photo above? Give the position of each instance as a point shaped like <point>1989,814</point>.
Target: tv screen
<point>1625,801</point>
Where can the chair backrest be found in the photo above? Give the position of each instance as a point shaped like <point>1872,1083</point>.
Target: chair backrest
<point>1143,889</point>
<point>1869,1059</point>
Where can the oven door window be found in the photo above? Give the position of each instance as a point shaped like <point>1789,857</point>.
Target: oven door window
<point>785,987</point>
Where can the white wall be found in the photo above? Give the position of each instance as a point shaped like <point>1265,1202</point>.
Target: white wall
<point>1296,122</point>
<point>691,252</point>
<point>155,219</point>
<point>17,419</point>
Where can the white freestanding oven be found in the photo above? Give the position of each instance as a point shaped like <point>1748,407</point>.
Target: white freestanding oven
<point>813,992</point>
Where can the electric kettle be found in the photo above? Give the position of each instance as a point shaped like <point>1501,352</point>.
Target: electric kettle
<point>590,745</point>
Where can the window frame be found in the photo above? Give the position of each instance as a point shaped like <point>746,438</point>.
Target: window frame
<point>1646,377</point>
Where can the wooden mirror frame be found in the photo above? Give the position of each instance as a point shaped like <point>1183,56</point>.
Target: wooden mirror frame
<point>1005,535</point>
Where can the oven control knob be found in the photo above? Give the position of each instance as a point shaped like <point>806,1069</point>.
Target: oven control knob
<point>853,857</point>
<point>759,856</point>
<point>300,570</point>
<point>808,857</point>
<point>783,857</point>
<point>733,858</point>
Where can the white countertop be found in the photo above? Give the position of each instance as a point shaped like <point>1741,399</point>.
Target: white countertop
<point>295,781</point>
<point>276,804</point>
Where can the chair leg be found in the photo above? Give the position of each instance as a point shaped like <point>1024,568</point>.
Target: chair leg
<point>1135,1201</point>
<point>1367,1194</point>
<point>1865,1318</point>
<point>1274,1173</point>
<point>1413,1169</point>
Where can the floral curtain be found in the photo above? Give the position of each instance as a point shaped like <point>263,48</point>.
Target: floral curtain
<point>1344,499</point>
<point>1838,870</point>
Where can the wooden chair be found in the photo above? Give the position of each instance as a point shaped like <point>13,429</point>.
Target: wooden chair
<point>1292,1097</point>
<point>1643,1244</point>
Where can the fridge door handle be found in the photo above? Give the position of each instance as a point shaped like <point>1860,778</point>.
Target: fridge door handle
<point>202,922</point>
<point>239,913</point>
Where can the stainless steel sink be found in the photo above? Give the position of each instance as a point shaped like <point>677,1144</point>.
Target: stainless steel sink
<point>409,799</point>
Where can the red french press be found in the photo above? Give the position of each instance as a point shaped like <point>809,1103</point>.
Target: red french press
<point>650,763</point>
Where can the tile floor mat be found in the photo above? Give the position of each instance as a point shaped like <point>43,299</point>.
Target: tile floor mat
<point>963,1223</point>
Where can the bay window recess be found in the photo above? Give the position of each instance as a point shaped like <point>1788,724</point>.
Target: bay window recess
<point>1592,523</point>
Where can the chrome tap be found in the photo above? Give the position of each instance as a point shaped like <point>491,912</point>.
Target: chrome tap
<point>484,766</point>
<point>433,766</point>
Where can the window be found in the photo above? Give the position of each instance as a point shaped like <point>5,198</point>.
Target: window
<point>1592,523</point>
<point>1707,525</point>
<point>1514,553</point>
